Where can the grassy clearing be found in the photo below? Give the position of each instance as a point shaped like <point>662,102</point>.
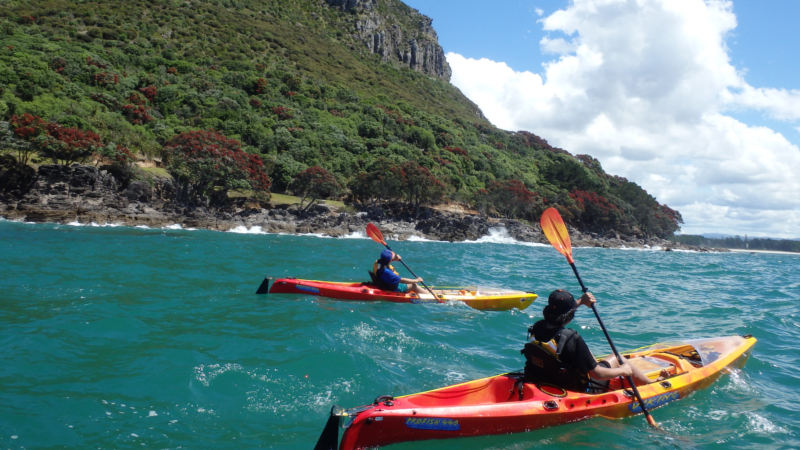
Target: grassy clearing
<point>285,199</point>
<point>159,172</point>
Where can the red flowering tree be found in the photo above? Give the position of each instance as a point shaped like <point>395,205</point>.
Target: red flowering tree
<point>27,127</point>
<point>137,112</point>
<point>418,185</point>
<point>282,112</point>
<point>313,184</point>
<point>510,198</point>
<point>64,145</point>
<point>206,165</point>
<point>385,180</point>
<point>149,92</point>
<point>594,211</point>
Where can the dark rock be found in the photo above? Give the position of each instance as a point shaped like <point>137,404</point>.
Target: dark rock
<point>375,212</point>
<point>84,193</point>
<point>139,191</point>
<point>453,227</point>
<point>15,180</point>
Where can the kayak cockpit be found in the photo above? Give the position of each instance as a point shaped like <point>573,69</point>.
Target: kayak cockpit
<point>483,391</point>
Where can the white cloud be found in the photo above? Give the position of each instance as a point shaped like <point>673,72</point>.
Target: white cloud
<point>557,45</point>
<point>781,104</point>
<point>647,88</point>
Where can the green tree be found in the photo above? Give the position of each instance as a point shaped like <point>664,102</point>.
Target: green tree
<point>381,181</point>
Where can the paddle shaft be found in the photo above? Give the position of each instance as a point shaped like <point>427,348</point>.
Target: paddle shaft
<point>412,273</point>
<point>646,413</point>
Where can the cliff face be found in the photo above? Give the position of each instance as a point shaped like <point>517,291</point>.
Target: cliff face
<point>413,44</point>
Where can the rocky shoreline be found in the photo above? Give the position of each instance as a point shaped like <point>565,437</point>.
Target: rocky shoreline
<point>87,194</point>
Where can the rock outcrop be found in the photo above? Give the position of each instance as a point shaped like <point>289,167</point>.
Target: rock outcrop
<point>413,44</point>
<point>87,194</point>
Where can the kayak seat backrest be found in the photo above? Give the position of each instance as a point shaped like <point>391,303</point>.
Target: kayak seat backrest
<point>373,277</point>
<point>543,365</point>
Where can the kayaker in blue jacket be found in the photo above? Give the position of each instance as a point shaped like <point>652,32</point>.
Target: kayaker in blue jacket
<point>572,364</point>
<point>389,278</point>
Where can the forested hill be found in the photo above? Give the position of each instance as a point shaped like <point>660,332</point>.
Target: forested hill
<point>336,98</point>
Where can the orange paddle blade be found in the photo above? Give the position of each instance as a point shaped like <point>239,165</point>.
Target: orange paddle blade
<point>375,234</point>
<point>556,232</point>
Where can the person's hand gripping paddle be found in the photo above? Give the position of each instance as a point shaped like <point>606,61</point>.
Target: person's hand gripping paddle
<point>556,232</point>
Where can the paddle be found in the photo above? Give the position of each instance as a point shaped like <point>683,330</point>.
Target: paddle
<point>556,232</point>
<point>375,234</point>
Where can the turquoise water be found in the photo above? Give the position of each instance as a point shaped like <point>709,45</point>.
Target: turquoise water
<point>117,337</point>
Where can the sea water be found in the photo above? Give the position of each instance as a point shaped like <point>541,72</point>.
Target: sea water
<point>121,337</point>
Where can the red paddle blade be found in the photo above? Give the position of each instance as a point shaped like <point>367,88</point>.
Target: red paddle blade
<point>375,234</point>
<point>556,232</point>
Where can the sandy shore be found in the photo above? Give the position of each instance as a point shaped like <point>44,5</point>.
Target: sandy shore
<point>776,252</point>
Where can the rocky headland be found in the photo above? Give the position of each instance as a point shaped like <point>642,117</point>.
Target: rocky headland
<point>87,194</point>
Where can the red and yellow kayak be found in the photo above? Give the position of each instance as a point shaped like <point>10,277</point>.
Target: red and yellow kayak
<point>499,404</point>
<point>493,299</point>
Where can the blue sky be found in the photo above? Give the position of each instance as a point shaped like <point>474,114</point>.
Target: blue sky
<point>697,101</point>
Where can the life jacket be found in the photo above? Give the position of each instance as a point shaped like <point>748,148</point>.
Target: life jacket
<point>375,275</point>
<point>543,363</point>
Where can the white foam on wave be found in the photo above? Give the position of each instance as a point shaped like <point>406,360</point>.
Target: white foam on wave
<point>206,373</point>
<point>656,248</point>
<point>3,219</point>
<point>415,238</point>
<point>499,235</point>
<point>317,235</point>
<point>241,229</point>
<point>646,248</point>
<point>761,424</point>
<point>94,224</point>
<point>75,223</point>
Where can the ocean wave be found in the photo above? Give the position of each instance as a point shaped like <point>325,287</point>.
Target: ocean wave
<point>499,235</point>
<point>241,229</point>
<point>94,224</point>
<point>415,238</point>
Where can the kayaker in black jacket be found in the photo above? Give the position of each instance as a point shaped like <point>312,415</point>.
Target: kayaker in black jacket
<point>559,355</point>
<point>389,279</point>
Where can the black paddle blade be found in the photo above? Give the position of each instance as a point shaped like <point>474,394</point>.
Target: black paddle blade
<point>329,439</point>
<point>264,288</point>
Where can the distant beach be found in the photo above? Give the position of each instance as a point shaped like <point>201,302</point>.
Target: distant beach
<point>777,252</point>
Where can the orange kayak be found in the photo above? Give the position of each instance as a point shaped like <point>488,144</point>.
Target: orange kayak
<point>501,404</point>
<point>482,298</point>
